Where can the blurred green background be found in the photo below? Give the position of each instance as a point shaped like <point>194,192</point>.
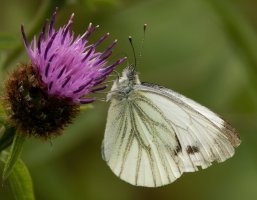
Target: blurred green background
<point>204,49</point>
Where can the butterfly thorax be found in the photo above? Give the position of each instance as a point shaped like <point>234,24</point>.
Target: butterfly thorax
<point>124,85</point>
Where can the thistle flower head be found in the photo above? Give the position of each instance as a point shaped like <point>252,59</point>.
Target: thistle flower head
<point>70,67</point>
<point>43,97</point>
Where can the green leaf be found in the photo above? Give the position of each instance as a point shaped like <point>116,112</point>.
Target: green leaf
<point>20,182</point>
<point>14,154</point>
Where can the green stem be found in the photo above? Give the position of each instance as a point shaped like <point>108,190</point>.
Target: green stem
<point>7,139</point>
<point>14,154</point>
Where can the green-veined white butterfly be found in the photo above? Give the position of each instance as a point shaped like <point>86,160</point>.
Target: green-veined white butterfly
<point>153,134</point>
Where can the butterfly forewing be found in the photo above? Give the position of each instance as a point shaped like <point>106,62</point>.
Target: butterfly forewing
<point>196,108</point>
<point>155,135</point>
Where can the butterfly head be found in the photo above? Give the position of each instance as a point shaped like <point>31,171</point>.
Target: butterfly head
<point>123,85</point>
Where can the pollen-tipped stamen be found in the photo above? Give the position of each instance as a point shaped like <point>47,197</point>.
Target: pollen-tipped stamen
<point>104,58</point>
<point>99,89</point>
<point>48,65</point>
<point>82,87</point>
<point>87,101</point>
<point>51,26</point>
<point>61,72</point>
<point>24,36</point>
<point>67,28</point>
<point>110,47</point>
<point>49,44</point>
<point>89,32</point>
<point>66,82</point>
<point>88,54</point>
<point>41,36</point>
<point>101,39</point>
<point>109,69</point>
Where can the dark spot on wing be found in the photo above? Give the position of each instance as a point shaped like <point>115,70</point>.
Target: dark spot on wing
<point>177,150</point>
<point>192,149</point>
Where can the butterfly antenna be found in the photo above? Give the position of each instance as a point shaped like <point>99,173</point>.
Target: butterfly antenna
<point>142,42</point>
<point>133,49</point>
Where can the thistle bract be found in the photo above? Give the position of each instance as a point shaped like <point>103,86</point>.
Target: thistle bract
<point>44,96</point>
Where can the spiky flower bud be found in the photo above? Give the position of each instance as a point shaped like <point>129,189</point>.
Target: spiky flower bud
<point>44,96</point>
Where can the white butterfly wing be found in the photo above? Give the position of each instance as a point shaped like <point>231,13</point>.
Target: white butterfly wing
<point>156,135</point>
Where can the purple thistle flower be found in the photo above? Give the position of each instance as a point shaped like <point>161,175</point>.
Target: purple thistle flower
<point>44,96</point>
<point>69,66</point>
